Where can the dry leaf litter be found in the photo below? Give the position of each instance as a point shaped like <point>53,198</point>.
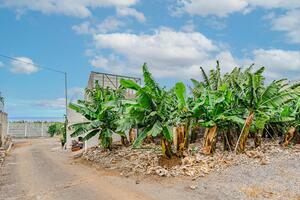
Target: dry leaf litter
<point>145,161</point>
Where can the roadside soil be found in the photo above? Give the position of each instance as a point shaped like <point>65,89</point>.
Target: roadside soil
<point>40,169</point>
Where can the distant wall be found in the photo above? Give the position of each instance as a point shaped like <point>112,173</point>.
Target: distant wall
<point>28,129</point>
<point>3,126</point>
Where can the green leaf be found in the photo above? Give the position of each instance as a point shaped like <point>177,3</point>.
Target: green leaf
<point>149,80</point>
<point>137,143</point>
<point>129,84</point>
<point>79,128</point>
<point>205,78</point>
<point>156,129</point>
<point>167,133</point>
<point>91,134</point>
<point>235,119</point>
<point>96,124</point>
<point>180,92</point>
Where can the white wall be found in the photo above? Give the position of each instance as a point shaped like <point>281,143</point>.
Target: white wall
<point>3,125</point>
<point>74,117</point>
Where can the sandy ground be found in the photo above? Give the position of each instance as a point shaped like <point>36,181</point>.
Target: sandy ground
<point>39,169</point>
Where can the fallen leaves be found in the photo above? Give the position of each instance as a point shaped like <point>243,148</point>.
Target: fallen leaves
<point>2,155</point>
<point>147,161</point>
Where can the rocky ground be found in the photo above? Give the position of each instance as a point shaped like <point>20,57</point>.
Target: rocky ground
<point>40,169</point>
<point>2,155</point>
<point>148,161</point>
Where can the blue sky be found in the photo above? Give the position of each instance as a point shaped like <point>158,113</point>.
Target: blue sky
<point>174,37</point>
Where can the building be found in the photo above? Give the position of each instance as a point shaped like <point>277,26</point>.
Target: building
<point>104,80</point>
<point>111,81</point>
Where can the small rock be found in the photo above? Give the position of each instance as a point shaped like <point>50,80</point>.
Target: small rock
<point>193,187</point>
<point>264,162</point>
<point>78,155</point>
<point>137,182</point>
<point>162,172</point>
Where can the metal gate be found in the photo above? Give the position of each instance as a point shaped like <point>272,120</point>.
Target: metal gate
<point>28,129</point>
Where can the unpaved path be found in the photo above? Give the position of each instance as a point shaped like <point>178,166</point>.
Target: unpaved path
<point>39,169</point>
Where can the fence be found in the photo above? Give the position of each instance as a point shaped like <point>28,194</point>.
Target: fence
<point>28,129</point>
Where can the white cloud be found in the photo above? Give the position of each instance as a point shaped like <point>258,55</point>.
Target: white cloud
<point>189,26</point>
<point>270,4</point>
<point>58,103</point>
<point>223,8</point>
<point>216,23</point>
<point>172,54</point>
<point>107,25</point>
<point>75,93</point>
<point>83,28</point>
<point>75,8</point>
<point>26,66</point>
<point>288,23</point>
<point>219,8</point>
<point>169,53</point>
<point>278,63</point>
<point>112,64</point>
<point>126,11</point>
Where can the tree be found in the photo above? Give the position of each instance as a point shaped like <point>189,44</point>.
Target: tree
<point>101,109</point>
<point>150,111</point>
<point>214,106</point>
<point>55,129</point>
<point>182,118</point>
<point>260,101</point>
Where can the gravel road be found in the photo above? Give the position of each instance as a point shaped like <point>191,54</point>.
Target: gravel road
<point>39,169</point>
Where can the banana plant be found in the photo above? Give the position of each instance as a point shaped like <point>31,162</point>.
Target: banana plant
<point>215,105</point>
<point>182,118</point>
<point>101,109</point>
<point>287,118</point>
<point>214,110</point>
<point>150,112</point>
<point>260,101</point>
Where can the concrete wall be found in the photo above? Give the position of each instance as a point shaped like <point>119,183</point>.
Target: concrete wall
<point>3,126</point>
<point>73,118</point>
<point>28,129</point>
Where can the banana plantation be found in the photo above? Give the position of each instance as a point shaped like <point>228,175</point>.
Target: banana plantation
<point>237,110</point>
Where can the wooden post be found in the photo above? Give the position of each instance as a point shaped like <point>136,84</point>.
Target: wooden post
<point>25,129</point>
<point>42,129</point>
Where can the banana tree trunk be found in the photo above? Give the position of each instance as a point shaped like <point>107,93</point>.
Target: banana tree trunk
<point>258,138</point>
<point>175,143</point>
<point>227,140</point>
<point>241,143</point>
<point>194,133</point>
<point>124,141</point>
<point>210,140</point>
<point>109,146</point>
<point>132,135</point>
<point>180,134</point>
<point>166,148</point>
<point>289,136</point>
<point>149,139</point>
<point>187,132</point>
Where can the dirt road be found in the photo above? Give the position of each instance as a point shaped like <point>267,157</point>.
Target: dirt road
<point>39,169</point>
